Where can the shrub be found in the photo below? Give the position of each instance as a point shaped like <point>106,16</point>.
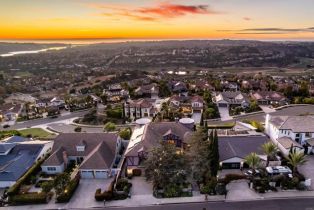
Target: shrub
<point>78,129</point>
<point>99,196</point>
<point>66,195</point>
<point>14,189</point>
<point>232,177</point>
<point>109,126</point>
<point>47,186</point>
<point>137,172</point>
<point>30,198</point>
<point>125,134</point>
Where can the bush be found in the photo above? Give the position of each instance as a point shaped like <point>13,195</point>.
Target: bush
<point>30,198</point>
<point>125,134</point>
<point>109,126</point>
<point>232,177</point>
<point>99,196</point>
<point>137,172</point>
<point>47,186</point>
<point>78,129</point>
<point>14,189</point>
<point>66,195</point>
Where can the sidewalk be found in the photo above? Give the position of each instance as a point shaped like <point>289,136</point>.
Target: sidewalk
<point>145,200</point>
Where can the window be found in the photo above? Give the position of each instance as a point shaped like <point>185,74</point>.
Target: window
<point>51,168</point>
<point>80,148</point>
<point>307,134</point>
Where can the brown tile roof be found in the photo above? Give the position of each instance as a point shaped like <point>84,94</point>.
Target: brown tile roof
<point>154,132</point>
<point>286,142</point>
<point>68,142</point>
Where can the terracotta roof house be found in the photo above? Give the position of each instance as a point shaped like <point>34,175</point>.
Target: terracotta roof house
<point>269,97</point>
<point>145,138</point>
<point>95,153</point>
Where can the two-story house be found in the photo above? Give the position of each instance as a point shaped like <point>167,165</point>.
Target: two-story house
<point>291,131</point>
<point>140,108</point>
<point>95,153</point>
<point>269,97</point>
<point>229,98</point>
<point>151,135</point>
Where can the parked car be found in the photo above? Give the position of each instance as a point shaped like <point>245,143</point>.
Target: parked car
<point>6,126</point>
<point>277,170</point>
<point>250,173</point>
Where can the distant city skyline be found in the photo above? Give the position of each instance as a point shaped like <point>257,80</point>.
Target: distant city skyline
<point>156,19</point>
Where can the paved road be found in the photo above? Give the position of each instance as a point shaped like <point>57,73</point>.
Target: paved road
<point>37,122</point>
<point>280,204</point>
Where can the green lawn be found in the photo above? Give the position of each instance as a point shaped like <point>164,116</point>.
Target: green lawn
<point>36,133</point>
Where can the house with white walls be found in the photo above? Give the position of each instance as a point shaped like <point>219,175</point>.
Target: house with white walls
<point>291,131</point>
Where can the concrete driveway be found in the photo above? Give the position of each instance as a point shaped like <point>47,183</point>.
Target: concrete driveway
<point>239,190</point>
<point>308,170</point>
<point>224,113</point>
<point>141,186</point>
<point>84,194</point>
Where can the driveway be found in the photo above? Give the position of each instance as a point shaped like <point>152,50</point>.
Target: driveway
<point>308,170</point>
<point>239,190</point>
<point>224,113</point>
<point>196,116</point>
<point>84,194</point>
<point>141,186</point>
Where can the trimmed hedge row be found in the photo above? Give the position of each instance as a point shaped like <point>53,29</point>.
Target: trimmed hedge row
<point>14,189</point>
<point>69,191</point>
<point>30,198</point>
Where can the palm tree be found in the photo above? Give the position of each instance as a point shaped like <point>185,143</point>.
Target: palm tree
<point>295,159</point>
<point>253,160</point>
<point>270,150</point>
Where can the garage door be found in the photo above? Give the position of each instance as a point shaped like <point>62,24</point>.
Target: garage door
<point>87,174</point>
<point>222,105</point>
<point>231,166</point>
<point>101,174</point>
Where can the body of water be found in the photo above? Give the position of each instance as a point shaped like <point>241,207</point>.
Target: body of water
<point>31,51</point>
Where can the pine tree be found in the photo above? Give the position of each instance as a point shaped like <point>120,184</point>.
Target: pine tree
<point>202,120</point>
<point>214,156</point>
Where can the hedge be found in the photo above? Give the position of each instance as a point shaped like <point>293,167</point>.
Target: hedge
<point>14,189</point>
<point>232,177</point>
<point>70,189</point>
<point>30,198</point>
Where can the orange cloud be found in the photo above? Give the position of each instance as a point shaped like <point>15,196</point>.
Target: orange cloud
<point>247,18</point>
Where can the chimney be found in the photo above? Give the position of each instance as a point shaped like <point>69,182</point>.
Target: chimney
<point>65,158</point>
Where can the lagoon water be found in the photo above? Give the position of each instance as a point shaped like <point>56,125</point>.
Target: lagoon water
<point>31,51</point>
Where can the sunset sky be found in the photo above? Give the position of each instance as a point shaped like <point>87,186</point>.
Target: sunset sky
<point>154,19</point>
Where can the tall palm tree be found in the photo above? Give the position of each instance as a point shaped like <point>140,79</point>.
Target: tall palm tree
<point>270,150</point>
<point>296,159</point>
<point>253,160</point>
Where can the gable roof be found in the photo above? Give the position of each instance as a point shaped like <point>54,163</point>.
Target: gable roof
<point>232,97</point>
<point>153,133</point>
<point>297,124</point>
<point>101,157</point>
<point>240,146</point>
<point>69,141</point>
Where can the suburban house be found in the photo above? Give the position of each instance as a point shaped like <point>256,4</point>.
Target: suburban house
<point>179,87</point>
<point>147,91</point>
<point>230,86</point>
<point>144,107</point>
<point>10,112</point>
<point>148,136</point>
<point>228,98</point>
<point>201,85</point>
<point>115,93</point>
<point>269,97</point>
<point>234,149</point>
<point>188,104</point>
<point>291,131</point>
<point>17,156</point>
<point>95,153</point>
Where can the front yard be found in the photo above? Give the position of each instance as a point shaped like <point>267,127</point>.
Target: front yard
<point>36,133</point>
